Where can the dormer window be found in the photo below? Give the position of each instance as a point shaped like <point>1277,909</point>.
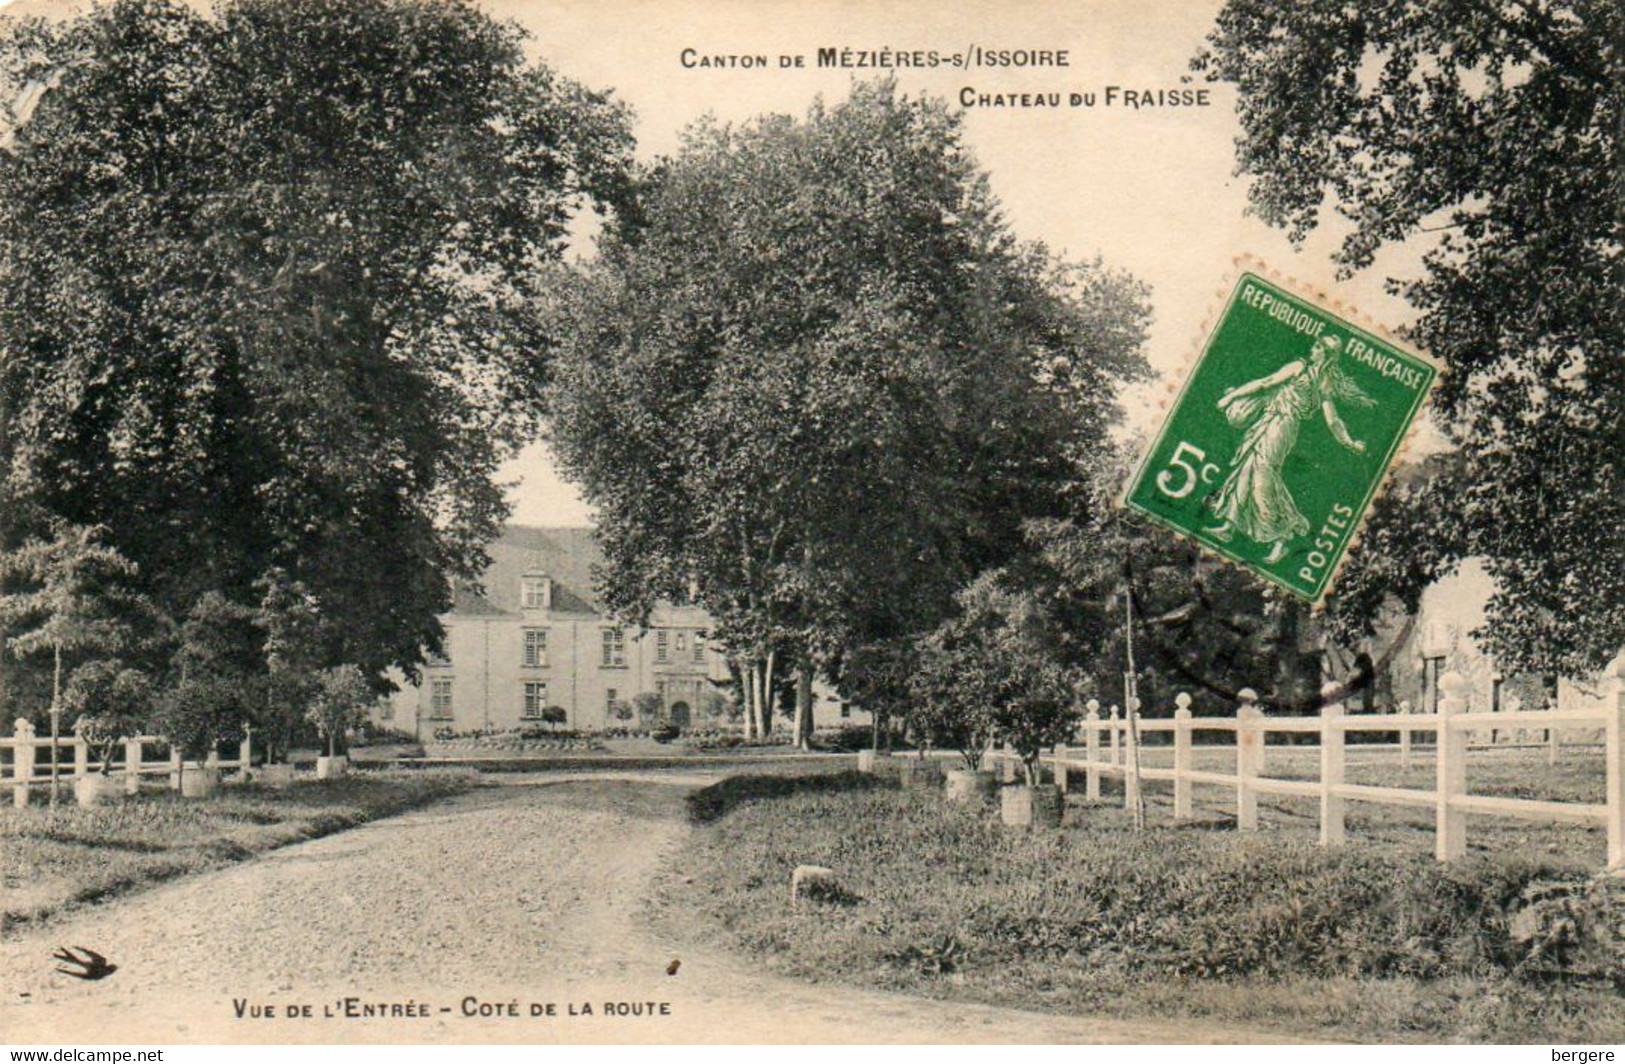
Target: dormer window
<point>536,592</point>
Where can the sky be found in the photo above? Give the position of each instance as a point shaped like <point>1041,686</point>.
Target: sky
<point>1149,190</point>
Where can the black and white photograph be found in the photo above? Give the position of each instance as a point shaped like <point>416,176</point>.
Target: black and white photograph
<point>581,522</point>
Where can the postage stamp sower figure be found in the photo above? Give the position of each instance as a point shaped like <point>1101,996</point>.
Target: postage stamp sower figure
<point>1281,436</point>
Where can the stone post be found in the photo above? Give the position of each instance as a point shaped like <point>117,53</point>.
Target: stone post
<point>1091,741</point>
<point>132,766</point>
<point>1248,740</point>
<point>81,752</point>
<point>1182,756</point>
<point>1060,766</point>
<point>1405,739</point>
<point>22,762</point>
<point>175,768</point>
<point>1114,747</point>
<point>1450,823</point>
<point>1332,809</point>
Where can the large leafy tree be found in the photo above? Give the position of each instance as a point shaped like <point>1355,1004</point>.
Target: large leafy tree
<point>266,291</point>
<point>818,384</point>
<point>1486,133</point>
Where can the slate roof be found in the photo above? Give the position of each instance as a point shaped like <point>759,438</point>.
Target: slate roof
<point>565,554</point>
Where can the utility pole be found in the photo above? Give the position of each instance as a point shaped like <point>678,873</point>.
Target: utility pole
<point>1131,703</point>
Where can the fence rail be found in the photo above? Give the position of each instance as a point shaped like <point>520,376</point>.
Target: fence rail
<point>26,770</point>
<point>1108,751</point>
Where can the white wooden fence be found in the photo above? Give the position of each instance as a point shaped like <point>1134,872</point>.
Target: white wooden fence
<point>1108,750</point>
<point>30,761</point>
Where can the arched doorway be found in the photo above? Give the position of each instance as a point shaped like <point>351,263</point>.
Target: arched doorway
<point>679,714</point>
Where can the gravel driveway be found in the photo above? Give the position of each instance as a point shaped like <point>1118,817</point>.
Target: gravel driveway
<point>521,897</point>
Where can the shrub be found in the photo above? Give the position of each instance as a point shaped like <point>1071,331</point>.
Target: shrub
<point>650,709</point>
<point>340,703</point>
<point>198,714</point>
<point>374,734</point>
<point>112,703</point>
<point>847,739</point>
<point>990,671</point>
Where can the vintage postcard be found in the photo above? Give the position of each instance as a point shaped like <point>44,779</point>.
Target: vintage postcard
<point>561,522</point>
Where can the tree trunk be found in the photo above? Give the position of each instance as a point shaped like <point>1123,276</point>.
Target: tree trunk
<point>750,693</point>
<point>767,693</point>
<point>56,714</point>
<point>804,706</point>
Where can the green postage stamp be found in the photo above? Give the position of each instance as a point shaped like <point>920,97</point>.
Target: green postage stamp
<point>1281,435</point>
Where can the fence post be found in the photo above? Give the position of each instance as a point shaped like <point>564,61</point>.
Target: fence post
<point>1058,766</point>
<point>22,762</point>
<point>132,766</point>
<point>174,768</point>
<point>245,754</point>
<point>1007,763</point>
<point>1113,740</point>
<point>1405,739</point>
<point>81,752</point>
<point>1450,823</point>
<point>1248,739</point>
<point>1614,732</point>
<point>1091,742</point>
<point>1131,760</point>
<point>1182,756</point>
<point>1551,745</point>
<point>1332,805</point>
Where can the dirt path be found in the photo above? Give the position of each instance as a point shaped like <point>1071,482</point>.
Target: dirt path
<point>525,894</point>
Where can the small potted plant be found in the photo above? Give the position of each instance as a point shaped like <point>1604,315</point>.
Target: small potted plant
<point>197,716</point>
<point>339,704</point>
<point>114,704</point>
<point>951,710</point>
<point>1038,714</point>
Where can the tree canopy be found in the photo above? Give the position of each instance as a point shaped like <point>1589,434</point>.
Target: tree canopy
<point>267,282</point>
<point>1488,134</point>
<point>818,384</point>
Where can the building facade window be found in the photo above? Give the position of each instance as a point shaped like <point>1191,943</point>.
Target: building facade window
<point>535,647</point>
<point>535,699</point>
<point>611,696</point>
<point>614,648</point>
<point>699,648</point>
<point>534,593</point>
<point>662,646</point>
<point>440,697</point>
<point>846,710</point>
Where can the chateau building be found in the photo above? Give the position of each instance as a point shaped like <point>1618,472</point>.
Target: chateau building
<point>534,636</point>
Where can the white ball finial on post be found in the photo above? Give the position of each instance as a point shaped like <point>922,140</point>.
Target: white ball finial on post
<point>1450,823</point>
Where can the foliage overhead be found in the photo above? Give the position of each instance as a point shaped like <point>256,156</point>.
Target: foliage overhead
<point>818,384</point>
<point>1486,133</point>
<point>267,282</point>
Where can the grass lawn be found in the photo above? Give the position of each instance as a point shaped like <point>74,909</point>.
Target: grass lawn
<point>1373,942</point>
<point>50,859</point>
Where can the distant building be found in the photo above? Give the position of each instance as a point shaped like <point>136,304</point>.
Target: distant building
<point>535,636</point>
